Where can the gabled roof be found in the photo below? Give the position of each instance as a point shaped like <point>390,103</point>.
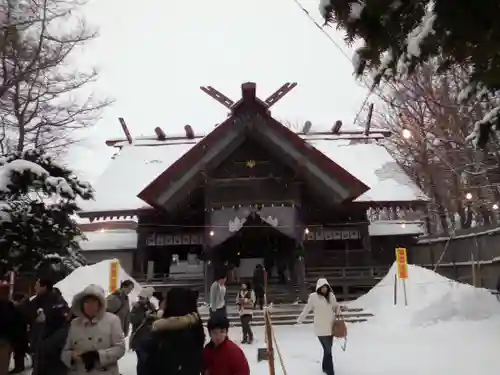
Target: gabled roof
<point>250,113</point>
<point>136,165</point>
<point>372,164</point>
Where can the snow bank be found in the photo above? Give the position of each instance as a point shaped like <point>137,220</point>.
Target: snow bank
<point>431,298</point>
<point>95,274</point>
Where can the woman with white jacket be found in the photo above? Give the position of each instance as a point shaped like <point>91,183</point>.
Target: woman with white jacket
<point>324,306</point>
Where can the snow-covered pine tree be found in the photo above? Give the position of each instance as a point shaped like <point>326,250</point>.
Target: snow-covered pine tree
<point>38,197</point>
<point>400,35</point>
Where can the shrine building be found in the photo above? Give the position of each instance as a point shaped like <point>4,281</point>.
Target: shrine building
<point>305,204</point>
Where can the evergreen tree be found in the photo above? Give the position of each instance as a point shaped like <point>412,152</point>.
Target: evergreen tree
<point>400,35</point>
<point>38,198</point>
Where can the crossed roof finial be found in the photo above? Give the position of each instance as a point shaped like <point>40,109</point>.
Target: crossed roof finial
<point>229,104</point>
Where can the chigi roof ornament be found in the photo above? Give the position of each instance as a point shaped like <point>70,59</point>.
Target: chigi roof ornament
<point>248,92</point>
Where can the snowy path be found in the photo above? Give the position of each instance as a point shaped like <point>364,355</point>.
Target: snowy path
<point>452,348</point>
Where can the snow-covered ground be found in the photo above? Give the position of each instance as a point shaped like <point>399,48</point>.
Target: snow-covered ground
<point>447,328</point>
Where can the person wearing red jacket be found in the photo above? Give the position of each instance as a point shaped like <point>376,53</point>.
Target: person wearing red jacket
<point>221,356</point>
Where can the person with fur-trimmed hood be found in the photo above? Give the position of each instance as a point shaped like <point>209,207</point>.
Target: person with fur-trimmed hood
<point>325,307</point>
<point>95,339</point>
<point>175,346</point>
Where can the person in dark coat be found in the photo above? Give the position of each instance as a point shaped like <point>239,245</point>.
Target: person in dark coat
<point>118,303</point>
<point>49,361</point>
<point>48,311</point>
<point>175,346</point>
<point>221,356</point>
<point>258,285</point>
<point>21,302</point>
<point>142,316</point>
<point>10,327</point>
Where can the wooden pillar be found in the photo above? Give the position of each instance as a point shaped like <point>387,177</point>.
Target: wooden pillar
<point>365,239</point>
<point>140,252</point>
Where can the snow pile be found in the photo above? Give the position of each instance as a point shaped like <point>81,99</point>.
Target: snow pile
<point>431,298</point>
<point>95,274</point>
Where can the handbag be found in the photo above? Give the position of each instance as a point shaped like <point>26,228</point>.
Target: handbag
<point>339,328</point>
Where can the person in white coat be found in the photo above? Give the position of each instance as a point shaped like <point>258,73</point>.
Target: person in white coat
<point>324,306</point>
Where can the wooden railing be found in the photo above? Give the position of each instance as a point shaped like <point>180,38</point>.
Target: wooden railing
<point>348,272</point>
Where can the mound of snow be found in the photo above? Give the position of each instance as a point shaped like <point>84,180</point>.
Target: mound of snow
<point>431,298</point>
<point>95,274</point>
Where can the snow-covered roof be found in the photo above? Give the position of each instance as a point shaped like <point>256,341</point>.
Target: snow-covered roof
<point>395,228</point>
<point>120,239</point>
<point>130,171</point>
<point>375,167</point>
<point>136,165</point>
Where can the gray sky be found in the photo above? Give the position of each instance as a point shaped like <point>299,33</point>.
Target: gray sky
<point>155,54</point>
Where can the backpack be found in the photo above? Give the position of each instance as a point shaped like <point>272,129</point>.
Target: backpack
<point>117,294</point>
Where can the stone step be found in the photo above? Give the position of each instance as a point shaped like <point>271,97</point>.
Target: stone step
<point>289,322</point>
<point>287,315</point>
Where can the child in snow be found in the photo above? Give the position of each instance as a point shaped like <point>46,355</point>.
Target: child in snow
<point>221,356</point>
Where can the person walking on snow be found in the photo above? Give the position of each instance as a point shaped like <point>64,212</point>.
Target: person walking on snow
<point>245,300</point>
<point>259,276</point>
<point>325,307</point>
<point>142,316</point>
<point>119,305</point>
<point>218,297</point>
<point>95,339</point>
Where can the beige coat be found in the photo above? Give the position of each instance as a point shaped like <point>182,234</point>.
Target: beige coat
<point>245,300</point>
<point>103,334</point>
<point>324,310</point>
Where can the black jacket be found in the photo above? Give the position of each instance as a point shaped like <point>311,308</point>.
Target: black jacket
<point>141,318</point>
<point>49,359</point>
<point>258,278</point>
<point>11,323</point>
<point>54,308</point>
<point>175,352</point>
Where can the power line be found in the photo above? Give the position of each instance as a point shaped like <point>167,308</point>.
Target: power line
<point>330,38</point>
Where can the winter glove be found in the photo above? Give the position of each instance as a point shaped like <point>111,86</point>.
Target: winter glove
<point>90,359</point>
<point>40,316</point>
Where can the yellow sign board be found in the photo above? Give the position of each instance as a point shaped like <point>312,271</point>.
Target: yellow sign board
<point>114,270</point>
<point>402,263</point>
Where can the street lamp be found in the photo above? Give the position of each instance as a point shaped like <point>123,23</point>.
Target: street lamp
<point>406,134</point>
<point>468,196</point>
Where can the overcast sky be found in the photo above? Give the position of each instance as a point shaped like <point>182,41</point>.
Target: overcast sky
<point>155,54</point>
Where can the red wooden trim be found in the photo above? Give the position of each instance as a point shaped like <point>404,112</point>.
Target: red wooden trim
<point>125,129</point>
<point>156,187</point>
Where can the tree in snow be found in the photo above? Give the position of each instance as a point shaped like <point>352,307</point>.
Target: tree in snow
<point>400,36</point>
<point>425,111</point>
<point>37,200</point>
<point>43,97</point>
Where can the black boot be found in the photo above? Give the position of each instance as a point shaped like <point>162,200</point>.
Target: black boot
<point>17,370</point>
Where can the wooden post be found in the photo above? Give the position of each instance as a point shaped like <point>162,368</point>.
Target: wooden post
<point>395,289</point>
<point>473,265</point>
<point>269,338</point>
<point>404,292</point>
<point>267,353</point>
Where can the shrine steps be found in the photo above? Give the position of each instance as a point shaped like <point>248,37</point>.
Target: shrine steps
<point>286,314</point>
